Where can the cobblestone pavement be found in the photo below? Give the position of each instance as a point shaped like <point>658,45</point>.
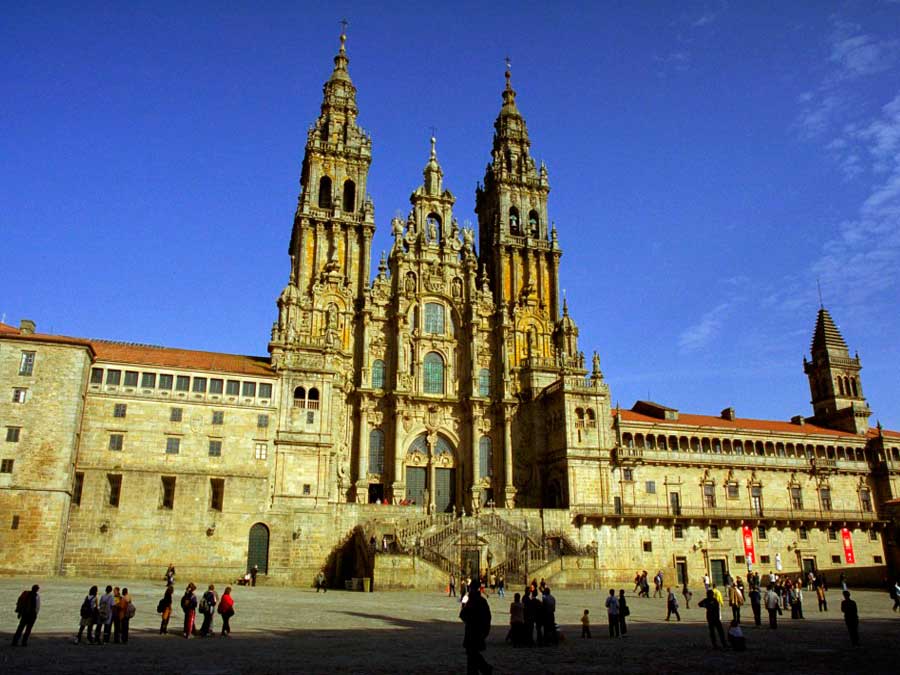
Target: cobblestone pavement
<point>290,630</point>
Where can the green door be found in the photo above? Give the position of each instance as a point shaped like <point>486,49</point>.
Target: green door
<point>717,571</point>
<point>444,490</point>
<point>258,548</point>
<point>415,484</point>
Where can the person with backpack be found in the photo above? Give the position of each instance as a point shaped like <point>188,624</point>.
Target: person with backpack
<point>105,614</point>
<point>114,614</point>
<point>226,609</point>
<point>164,608</point>
<point>189,607</point>
<point>88,617</point>
<point>27,607</point>
<point>208,608</point>
<point>126,611</point>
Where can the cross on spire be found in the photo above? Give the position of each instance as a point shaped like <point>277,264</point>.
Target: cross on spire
<point>344,23</point>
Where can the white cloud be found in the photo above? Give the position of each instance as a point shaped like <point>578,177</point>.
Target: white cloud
<point>705,330</point>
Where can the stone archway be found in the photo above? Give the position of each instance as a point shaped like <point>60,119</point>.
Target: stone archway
<point>431,472</point>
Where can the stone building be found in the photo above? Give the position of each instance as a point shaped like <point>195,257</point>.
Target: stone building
<point>439,410</point>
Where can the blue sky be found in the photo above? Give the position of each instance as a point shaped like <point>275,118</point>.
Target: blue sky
<point>709,161</point>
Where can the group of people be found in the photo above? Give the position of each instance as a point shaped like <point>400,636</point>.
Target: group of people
<point>642,585</point>
<point>109,614</point>
<point>207,606</point>
<point>532,617</point>
<point>488,583</point>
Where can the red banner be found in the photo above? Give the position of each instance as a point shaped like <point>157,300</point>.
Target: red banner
<point>749,553</point>
<point>848,546</point>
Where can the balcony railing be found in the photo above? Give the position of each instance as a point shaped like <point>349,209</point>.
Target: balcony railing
<point>625,455</point>
<point>720,513</point>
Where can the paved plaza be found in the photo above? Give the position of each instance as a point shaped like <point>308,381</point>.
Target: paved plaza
<point>290,630</point>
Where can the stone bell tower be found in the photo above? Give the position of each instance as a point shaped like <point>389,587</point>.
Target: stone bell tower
<point>333,227</point>
<point>519,250</point>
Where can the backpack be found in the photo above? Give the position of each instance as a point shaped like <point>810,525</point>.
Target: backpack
<point>186,602</point>
<point>161,606</point>
<point>130,610</point>
<point>22,602</point>
<point>204,605</point>
<point>104,610</point>
<point>86,608</point>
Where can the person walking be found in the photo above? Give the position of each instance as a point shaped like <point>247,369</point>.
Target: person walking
<point>226,610</point>
<point>476,615</point>
<point>451,586</point>
<point>27,608</point>
<point>208,609</point>
<point>756,605</point>
<point>189,607</point>
<point>820,596</point>
<point>586,624</point>
<point>164,609</point>
<point>624,611</point>
<point>126,613</point>
<point>797,602</point>
<point>549,605</point>
<point>501,586</point>
<point>612,613</point>
<point>320,582</point>
<point>773,606</point>
<point>713,618</point>
<point>114,613</point>
<point>528,611</point>
<point>255,569</point>
<point>851,618</point>
<point>735,600</point>
<point>658,584</point>
<point>88,616</point>
<point>105,612</point>
<point>896,596</point>
<point>517,621</point>
<point>686,592</point>
<point>671,604</point>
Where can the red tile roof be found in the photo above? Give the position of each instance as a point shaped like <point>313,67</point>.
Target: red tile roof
<point>150,355</point>
<point>739,424</point>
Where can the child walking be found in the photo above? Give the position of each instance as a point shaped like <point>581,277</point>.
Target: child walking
<point>585,624</point>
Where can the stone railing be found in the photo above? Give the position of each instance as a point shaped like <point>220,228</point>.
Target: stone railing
<point>721,513</point>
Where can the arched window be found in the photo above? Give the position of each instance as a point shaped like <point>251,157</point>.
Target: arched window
<point>579,419</point>
<point>591,418</point>
<point>349,203</point>
<point>434,318</point>
<point>433,227</point>
<point>419,444</point>
<point>299,397</point>
<point>442,446</point>
<point>484,382</point>
<point>840,386</point>
<point>376,451</point>
<point>485,457</point>
<point>853,386</point>
<point>534,223</point>
<point>514,221</point>
<point>312,399</point>
<point>378,374</point>
<point>325,193</point>
<point>434,373</point>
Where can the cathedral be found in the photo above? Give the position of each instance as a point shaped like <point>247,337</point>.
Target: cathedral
<point>433,415</point>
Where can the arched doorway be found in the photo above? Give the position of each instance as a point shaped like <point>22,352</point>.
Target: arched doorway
<point>258,548</point>
<point>431,473</point>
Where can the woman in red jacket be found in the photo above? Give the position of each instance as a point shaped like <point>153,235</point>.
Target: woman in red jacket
<point>226,609</point>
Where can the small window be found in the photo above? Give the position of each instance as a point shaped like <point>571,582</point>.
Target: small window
<point>865,500</point>
<point>262,421</point>
<point>765,560</point>
<point>216,493</point>
<point>265,390</point>
<point>15,522</point>
<point>873,535</point>
<point>96,375</point>
<point>182,383</point>
<point>167,500</point>
<point>131,378</point>
<point>651,487</point>
<point>199,385</point>
<point>878,560</point>
<point>113,377</point>
<point>173,445</point>
<point>115,488</point>
<point>215,448</point>
<point>116,441</point>
<point>739,559</point>
<point>262,450</point>
<point>836,559</point>
<point>832,534</point>
<point>378,374</point>
<point>349,196</point>
<point>648,547</point>
<point>78,488</point>
<point>19,395</point>
<point>218,417</point>
<point>678,531</point>
<point>232,387</point>
<point>307,489</point>
<point>325,192</point>
<point>733,490</point>
<point>26,364</point>
<point>628,474</point>
<point>120,410</point>
<point>713,531</point>
<point>434,318</point>
<point>310,417</point>
<point>175,414</point>
<point>709,495</point>
<point>148,380</point>
<point>12,434</point>
<point>761,532</point>
<point>796,499</point>
<point>249,389</point>
<point>165,382</point>
<point>804,533</point>
<point>6,465</point>
<point>484,382</point>
<point>216,386</point>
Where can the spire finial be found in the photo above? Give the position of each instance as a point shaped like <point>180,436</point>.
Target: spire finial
<point>344,23</point>
<point>508,73</point>
<point>819,286</point>
<point>433,141</point>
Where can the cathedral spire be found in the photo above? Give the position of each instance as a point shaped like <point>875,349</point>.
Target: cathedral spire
<point>433,173</point>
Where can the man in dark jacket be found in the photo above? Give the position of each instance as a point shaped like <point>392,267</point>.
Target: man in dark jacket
<point>713,618</point>
<point>476,614</point>
<point>27,608</point>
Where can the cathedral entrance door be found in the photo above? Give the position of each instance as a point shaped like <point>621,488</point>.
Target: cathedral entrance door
<point>258,548</point>
<point>444,489</point>
<point>415,484</point>
<point>376,493</point>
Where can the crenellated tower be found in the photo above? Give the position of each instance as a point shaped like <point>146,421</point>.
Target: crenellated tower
<point>331,239</point>
<point>834,381</point>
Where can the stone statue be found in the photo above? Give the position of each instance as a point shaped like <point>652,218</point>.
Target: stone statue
<point>410,283</point>
<point>596,362</point>
<point>468,238</point>
<point>457,288</point>
<point>432,231</point>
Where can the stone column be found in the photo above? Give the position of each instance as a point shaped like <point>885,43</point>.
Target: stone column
<point>508,486</point>
<point>398,486</point>
<point>362,466</point>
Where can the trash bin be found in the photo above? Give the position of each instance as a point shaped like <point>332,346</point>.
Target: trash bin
<point>367,584</point>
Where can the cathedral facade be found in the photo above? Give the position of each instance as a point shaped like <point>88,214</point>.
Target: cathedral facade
<point>439,406</point>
